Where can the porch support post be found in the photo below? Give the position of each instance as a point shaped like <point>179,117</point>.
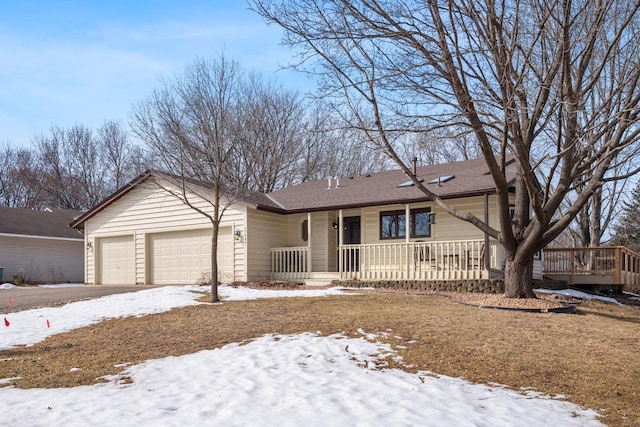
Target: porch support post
<point>340,240</point>
<point>487,255</point>
<point>309,255</point>
<point>407,232</point>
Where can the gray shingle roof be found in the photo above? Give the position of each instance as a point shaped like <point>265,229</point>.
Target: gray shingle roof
<point>471,178</point>
<point>48,223</point>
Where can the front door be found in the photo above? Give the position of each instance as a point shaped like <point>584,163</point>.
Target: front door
<point>351,236</point>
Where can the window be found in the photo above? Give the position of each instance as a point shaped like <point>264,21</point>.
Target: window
<point>305,230</point>
<point>393,224</point>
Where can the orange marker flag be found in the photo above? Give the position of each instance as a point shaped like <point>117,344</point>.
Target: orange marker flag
<point>9,302</point>
<point>48,324</point>
<point>6,322</point>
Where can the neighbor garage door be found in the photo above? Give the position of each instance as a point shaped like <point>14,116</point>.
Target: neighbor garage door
<point>183,257</point>
<point>116,260</point>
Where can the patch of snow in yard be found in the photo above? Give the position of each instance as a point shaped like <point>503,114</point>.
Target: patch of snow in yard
<point>230,293</point>
<point>30,326</point>
<point>293,380</point>
<point>62,285</point>
<point>578,294</point>
<point>274,380</point>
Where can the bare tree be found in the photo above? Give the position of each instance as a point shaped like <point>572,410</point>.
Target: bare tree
<point>191,122</point>
<point>122,159</point>
<point>550,84</point>
<point>333,149</point>
<point>20,185</point>
<point>269,136</point>
<point>80,167</point>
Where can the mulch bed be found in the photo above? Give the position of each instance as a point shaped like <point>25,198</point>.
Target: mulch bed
<point>543,302</point>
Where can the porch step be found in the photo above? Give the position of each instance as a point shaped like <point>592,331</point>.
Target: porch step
<point>321,279</point>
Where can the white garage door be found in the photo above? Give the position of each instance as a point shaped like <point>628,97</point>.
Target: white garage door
<point>183,257</point>
<point>116,260</point>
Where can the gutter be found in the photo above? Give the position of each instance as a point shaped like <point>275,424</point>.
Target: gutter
<point>30,236</point>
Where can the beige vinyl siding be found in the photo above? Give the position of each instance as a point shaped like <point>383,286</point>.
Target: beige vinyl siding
<point>140,259</point>
<point>294,230</point>
<point>148,209</point>
<point>320,241</point>
<point>266,230</point>
<point>446,227</point>
<point>42,260</point>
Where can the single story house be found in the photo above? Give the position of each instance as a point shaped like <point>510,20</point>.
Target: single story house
<point>375,226</point>
<point>40,247</point>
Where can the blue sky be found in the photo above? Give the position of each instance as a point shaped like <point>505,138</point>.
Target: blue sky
<point>81,62</point>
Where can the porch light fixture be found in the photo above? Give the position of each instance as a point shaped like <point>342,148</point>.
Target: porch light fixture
<point>89,246</point>
<point>431,217</point>
<point>334,225</point>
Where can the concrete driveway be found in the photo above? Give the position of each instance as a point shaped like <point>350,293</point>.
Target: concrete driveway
<point>28,297</point>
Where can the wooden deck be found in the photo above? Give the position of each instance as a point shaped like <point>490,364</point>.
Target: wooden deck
<point>613,268</point>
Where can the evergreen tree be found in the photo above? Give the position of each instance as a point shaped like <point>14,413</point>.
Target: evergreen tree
<point>627,231</point>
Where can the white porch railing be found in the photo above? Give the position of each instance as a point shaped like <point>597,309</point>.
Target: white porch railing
<point>449,260</point>
<point>290,263</point>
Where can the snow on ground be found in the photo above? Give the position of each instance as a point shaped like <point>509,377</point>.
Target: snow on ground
<point>274,380</point>
<point>578,294</point>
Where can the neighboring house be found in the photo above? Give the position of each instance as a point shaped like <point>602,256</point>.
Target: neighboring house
<point>349,227</point>
<point>39,246</point>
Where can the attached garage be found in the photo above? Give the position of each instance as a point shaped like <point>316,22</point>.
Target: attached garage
<point>146,234</point>
<point>183,257</point>
<point>116,260</point>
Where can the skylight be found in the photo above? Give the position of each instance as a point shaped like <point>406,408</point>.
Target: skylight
<point>441,179</point>
<point>408,183</point>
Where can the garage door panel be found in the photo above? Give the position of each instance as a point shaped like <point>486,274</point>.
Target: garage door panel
<point>182,257</point>
<point>116,260</point>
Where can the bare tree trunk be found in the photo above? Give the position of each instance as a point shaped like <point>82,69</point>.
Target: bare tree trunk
<point>517,277</point>
<point>214,264</point>
<point>214,244</point>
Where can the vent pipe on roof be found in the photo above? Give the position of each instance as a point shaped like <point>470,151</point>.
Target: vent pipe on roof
<point>337,181</point>
<point>329,187</point>
<point>414,164</point>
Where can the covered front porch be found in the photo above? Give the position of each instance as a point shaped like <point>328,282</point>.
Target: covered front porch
<point>442,260</point>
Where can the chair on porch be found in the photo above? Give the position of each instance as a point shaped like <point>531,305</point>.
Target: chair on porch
<point>421,258</point>
<point>475,259</point>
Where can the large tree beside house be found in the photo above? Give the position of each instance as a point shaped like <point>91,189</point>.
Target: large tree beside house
<point>551,84</point>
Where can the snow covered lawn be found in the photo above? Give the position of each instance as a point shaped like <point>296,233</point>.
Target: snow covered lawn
<point>274,380</point>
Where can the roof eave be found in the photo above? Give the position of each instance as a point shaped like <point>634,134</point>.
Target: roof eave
<point>379,203</point>
<point>78,223</point>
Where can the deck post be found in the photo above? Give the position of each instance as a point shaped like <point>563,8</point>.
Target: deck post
<point>618,273</point>
<point>572,281</point>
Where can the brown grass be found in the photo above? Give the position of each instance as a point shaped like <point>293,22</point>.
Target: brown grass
<point>591,357</point>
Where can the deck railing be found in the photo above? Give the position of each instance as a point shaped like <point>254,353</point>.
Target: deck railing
<point>606,265</point>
